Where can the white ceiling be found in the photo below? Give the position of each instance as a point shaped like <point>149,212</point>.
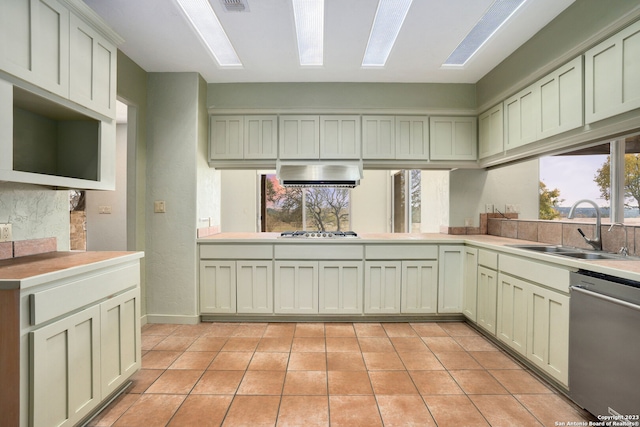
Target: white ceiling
<point>159,39</point>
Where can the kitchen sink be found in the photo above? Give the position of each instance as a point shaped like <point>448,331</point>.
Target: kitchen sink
<point>545,249</point>
<point>573,252</point>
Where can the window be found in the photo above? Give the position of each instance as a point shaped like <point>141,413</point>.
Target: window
<point>591,173</point>
<point>407,201</point>
<point>313,209</point>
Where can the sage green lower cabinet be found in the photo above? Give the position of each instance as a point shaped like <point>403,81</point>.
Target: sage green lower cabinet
<point>120,339</point>
<point>296,287</point>
<point>217,287</point>
<point>512,312</point>
<point>254,286</point>
<point>487,295</point>
<point>340,287</point>
<point>547,345</point>
<point>533,313</point>
<point>382,286</point>
<point>66,369</point>
<point>419,287</point>
<point>80,354</point>
<point>450,278</point>
<point>470,291</point>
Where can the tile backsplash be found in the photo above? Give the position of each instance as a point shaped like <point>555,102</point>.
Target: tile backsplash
<point>565,233</point>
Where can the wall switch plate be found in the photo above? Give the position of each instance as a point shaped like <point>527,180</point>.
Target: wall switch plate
<point>488,208</point>
<point>104,209</point>
<point>159,206</point>
<point>5,233</point>
<point>510,208</point>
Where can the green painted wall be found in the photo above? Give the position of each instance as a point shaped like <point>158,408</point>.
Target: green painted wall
<point>388,96</point>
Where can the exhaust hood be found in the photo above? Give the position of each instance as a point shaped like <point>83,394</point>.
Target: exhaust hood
<point>343,174</point>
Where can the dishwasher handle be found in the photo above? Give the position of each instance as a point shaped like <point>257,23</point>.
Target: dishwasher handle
<point>605,297</point>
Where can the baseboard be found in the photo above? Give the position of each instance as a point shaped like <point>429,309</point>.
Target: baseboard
<point>172,318</point>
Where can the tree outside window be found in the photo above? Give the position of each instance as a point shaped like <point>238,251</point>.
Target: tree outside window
<point>312,209</point>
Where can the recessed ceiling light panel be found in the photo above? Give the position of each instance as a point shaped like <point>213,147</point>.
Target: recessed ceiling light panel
<point>206,24</point>
<point>499,12</point>
<point>309,18</point>
<point>386,26</point>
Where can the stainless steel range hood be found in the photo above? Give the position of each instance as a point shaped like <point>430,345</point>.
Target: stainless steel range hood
<point>345,174</point>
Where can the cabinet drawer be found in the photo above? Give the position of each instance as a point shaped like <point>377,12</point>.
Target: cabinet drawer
<point>318,252</point>
<point>544,274</point>
<point>51,303</point>
<point>488,259</point>
<point>401,251</point>
<point>236,251</point>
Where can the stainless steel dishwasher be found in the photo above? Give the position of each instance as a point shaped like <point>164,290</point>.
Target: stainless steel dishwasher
<point>604,344</point>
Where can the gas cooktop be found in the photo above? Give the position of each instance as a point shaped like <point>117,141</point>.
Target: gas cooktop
<point>319,234</point>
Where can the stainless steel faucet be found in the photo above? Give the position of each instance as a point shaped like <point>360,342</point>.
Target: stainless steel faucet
<point>625,249</point>
<point>596,242</point>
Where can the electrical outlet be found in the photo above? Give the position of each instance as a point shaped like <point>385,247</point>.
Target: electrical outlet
<point>104,209</point>
<point>488,208</point>
<point>510,208</point>
<point>5,233</point>
<point>159,206</point>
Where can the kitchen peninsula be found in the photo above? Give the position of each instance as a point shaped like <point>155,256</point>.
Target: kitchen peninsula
<point>69,333</point>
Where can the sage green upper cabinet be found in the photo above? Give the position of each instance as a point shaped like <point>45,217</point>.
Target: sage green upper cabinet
<point>611,74</point>
<point>521,118</point>
<point>227,137</point>
<point>92,68</point>
<point>378,137</point>
<point>491,132</point>
<point>260,137</point>
<point>453,138</point>
<point>34,43</point>
<point>299,137</point>
<point>340,137</point>
<point>561,100</point>
<point>412,137</point>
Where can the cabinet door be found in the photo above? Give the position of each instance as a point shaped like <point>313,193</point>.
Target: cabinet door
<point>340,137</point>
<point>34,43</point>
<point>340,287</point>
<point>419,287</point>
<point>299,137</point>
<point>450,278</point>
<point>378,137</point>
<point>217,287</point>
<point>611,75</point>
<point>470,285</point>
<point>254,286</point>
<point>92,70</point>
<point>453,138</point>
<point>382,286</point>
<point>491,132</point>
<point>412,138</point>
<point>487,298</point>
<point>296,287</point>
<point>226,137</point>
<point>521,118</point>
<point>120,352</point>
<point>548,337</point>
<point>511,324</point>
<point>65,370</point>
<point>560,100</point>
<point>260,137</point>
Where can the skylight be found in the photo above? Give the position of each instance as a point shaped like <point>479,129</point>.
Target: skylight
<point>309,17</point>
<point>499,12</point>
<point>206,23</point>
<point>386,26</point>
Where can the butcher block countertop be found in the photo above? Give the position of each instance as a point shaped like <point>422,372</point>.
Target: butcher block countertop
<point>628,269</point>
<point>23,272</point>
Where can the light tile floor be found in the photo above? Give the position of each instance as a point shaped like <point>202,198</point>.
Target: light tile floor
<point>337,374</point>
